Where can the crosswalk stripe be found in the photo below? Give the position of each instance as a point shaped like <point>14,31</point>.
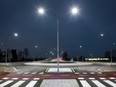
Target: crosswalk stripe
<point>18,84</point>
<point>36,79</point>
<point>102,78</point>
<point>92,72</point>
<point>85,83</point>
<point>41,72</point>
<point>33,72</point>
<point>6,83</point>
<point>91,78</point>
<point>14,78</point>
<point>25,78</point>
<point>76,72</point>
<point>112,78</point>
<point>19,73</point>
<point>84,72</point>
<point>99,84</point>
<point>26,72</point>
<point>31,84</point>
<point>110,83</point>
<point>80,78</point>
<point>5,78</point>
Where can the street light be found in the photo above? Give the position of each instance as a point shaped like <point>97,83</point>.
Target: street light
<point>14,35</point>
<point>42,11</point>
<point>111,52</point>
<point>74,10</point>
<point>81,48</point>
<point>101,35</point>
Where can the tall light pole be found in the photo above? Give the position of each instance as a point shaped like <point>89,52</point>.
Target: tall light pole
<point>112,52</point>
<point>73,11</point>
<point>81,48</point>
<point>6,58</point>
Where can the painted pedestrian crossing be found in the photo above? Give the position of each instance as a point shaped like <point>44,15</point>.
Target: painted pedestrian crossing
<point>18,84</point>
<point>99,84</point>
<point>31,84</point>
<point>45,72</point>
<point>84,82</point>
<point>30,72</point>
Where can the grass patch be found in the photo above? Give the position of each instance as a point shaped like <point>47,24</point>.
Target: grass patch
<point>1,69</point>
<point>6,69</point>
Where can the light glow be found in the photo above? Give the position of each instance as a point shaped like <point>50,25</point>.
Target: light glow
<point>41,10</point>
<point>74,10</point>
<point>16,34</point>
<point>101,35</point>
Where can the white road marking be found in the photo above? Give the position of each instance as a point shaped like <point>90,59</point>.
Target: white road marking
<point>91,78</point>
<point>19,73</point>
<point>73,70</point>
<point>25,78</point>
<point>41,73</point>
<point>80,78</point>
<point>31,84</point>
<point>110,83</point>
<point>99,84</point>
<point>84,72</point>
<point>85,83</point>
<point>26,72</point>
<point>6,83</point>
<point>92,72</point>
<point>102,78</point>
<point>5,78</point>
<point>0,80</point>
<point>60,70</point>
<point>33,72</point>
<point>14,78</point>
<point>77,73</point>
<point>112,78</point>
<point>36,79</point>
<point>18,84</point>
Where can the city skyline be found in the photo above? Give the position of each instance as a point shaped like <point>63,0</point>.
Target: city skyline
<point>90,31</point>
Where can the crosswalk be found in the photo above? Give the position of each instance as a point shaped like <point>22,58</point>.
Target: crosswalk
<point>45,72</point>
<point>30,72</point>
<point>36,82</point>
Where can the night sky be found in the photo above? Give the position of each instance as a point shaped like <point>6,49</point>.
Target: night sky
<point>95,17</point>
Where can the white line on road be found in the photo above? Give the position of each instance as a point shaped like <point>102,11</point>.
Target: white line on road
<point>85,83</point>
<point>18,84</point>
<point>80,78</point>
<point>0,80</point>
<point>14,78</point>
<point>91,78</point>
<point>102,78</point>
<point>92,72</point>
<point>41,73</point>
<point>33,72</point>
<point>19,73</point>
<point>76,72</point>
<point>5,78</point>
<point>26,72</point>
<point>36,79</point>
<point>112,78</point>
<point>110,83</point>
<point>31,84</point>
<point>25,78</point>
<point>84,72</point>
<point>99,84</point>
<point>6,83</point>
